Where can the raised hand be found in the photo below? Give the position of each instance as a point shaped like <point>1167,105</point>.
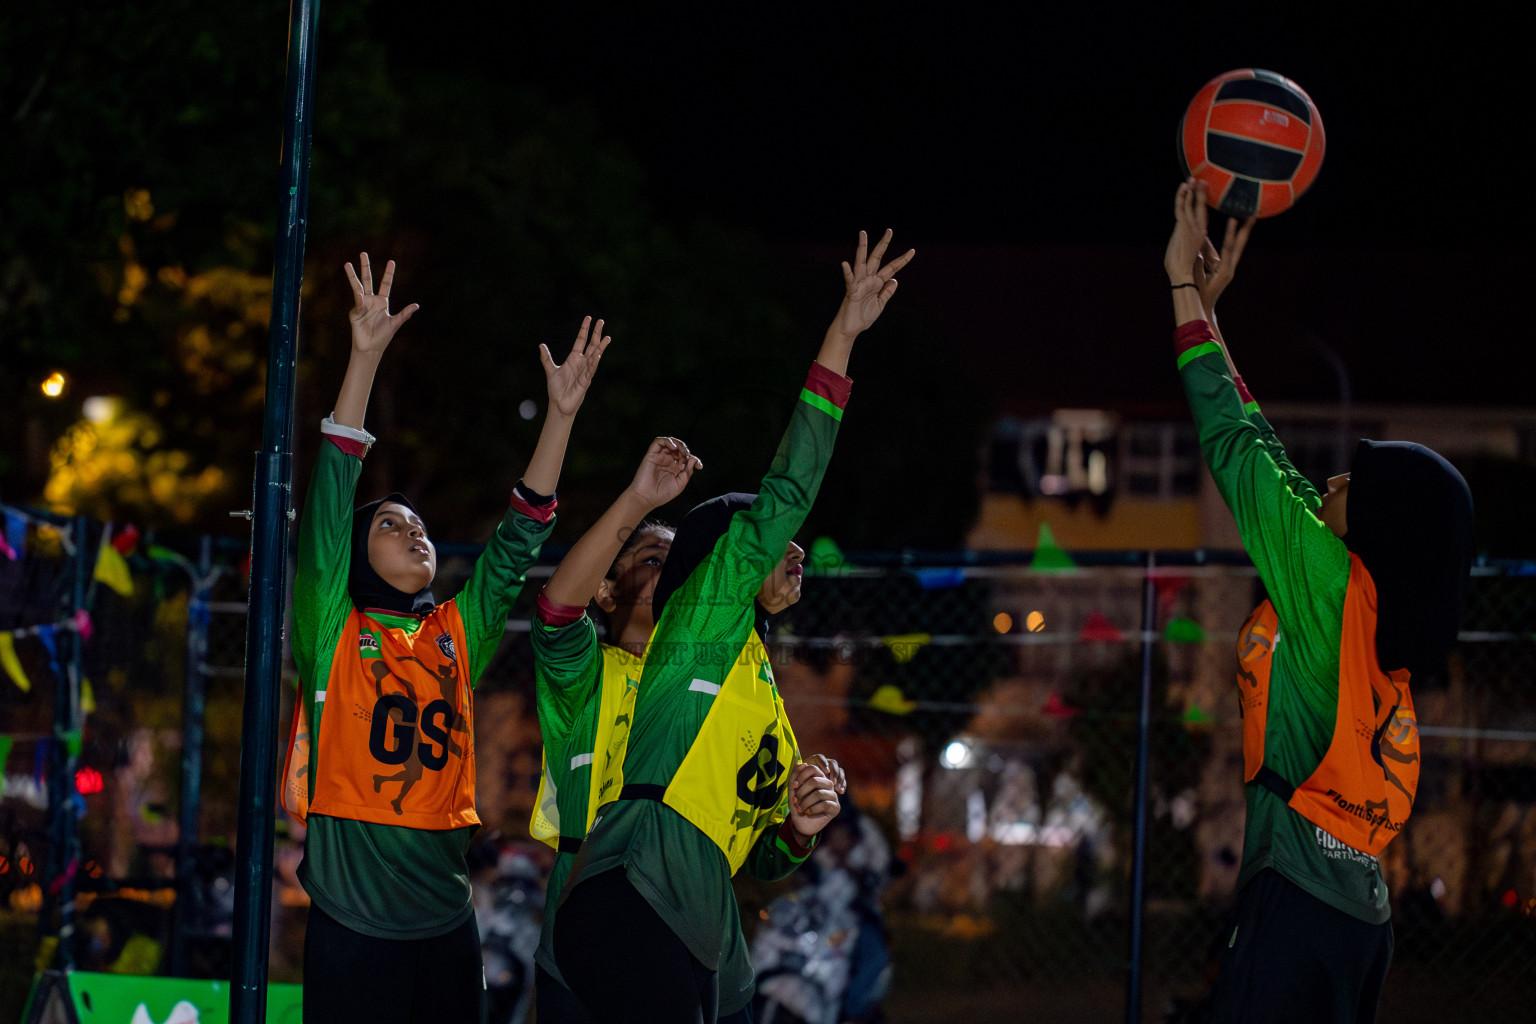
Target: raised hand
<point>813,801</point>
<point>373,326</point>
<point>1188,238</point>
<point>1213,270</point>
<point>567,382</point>
<point>664,472</point>
<point>869,285</point>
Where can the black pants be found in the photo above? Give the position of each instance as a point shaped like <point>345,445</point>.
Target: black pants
<point>624,963</point>
<point>1294,958</point>
<point>556,1004</point>
<point>351,977</point>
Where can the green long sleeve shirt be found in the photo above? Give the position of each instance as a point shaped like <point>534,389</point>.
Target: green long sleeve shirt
<point>388,881</point>
<point>1305,569</point>
<point>677,868</point>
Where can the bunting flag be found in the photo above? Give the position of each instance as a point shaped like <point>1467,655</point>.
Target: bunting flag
<point>1056,706</point>
<point>111,567</point>
<point>1048,554</point>
<point>891,700</point>
<point>939,579</point>
<point>126,540</point>
<point>824,558</point>
<point>87,697</point>
<point>15,534</point>
<point>5,752</point>
<point>904,646</point>
<point>6,549</point>
<point>1168,590</point>
<point>12,664</point>
<point>1099,629</point>
<point>49,636</point>
<point>1196,716</point>
<point>82,623</point>
<point>1184,631</point>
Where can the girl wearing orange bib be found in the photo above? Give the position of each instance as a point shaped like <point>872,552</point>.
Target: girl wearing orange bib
<point>381,761</point>
<point>1364,595</point>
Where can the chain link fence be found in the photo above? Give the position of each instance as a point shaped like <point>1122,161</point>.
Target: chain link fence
<point>985,709</point>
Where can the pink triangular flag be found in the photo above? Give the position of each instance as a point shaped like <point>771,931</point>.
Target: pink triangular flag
<point>1100,629</point>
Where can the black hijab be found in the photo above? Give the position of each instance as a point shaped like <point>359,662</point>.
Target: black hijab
<point>1409,518</point>
<point>697,535</point>
<point>364,584</point>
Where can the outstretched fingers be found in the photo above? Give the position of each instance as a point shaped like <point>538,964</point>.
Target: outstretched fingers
<point>879,253</point>
<point>596,348</point>
<point>357,286</point>
<point>892,268</point>
<point>387,280</point>
<point>582,333</point>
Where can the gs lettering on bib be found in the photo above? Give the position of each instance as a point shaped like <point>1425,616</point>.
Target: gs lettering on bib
<point>1362,792</point>
<point>396,729</point>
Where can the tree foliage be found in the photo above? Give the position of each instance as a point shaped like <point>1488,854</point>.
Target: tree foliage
<point>136,226</point>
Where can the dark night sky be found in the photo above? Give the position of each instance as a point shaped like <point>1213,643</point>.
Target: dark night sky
<point>1028,155</point>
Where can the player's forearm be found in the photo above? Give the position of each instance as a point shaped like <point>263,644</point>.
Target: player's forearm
<point>583,568</point>
<point>543,473</point>
<point>836,347</point>
<point>356,386</point>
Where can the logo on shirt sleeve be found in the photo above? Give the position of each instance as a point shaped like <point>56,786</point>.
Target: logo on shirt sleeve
<point>369,644</point>
<point>445,644</point>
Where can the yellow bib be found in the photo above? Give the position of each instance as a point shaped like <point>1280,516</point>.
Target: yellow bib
<point>734,783</point>
<point>601,768</point>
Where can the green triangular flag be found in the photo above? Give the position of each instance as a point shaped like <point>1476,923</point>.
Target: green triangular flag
<point>1048,554</point>
<point>1184,631</point>
<point>1196,715</point>
<point>825,557</point>
<point>5,752</point>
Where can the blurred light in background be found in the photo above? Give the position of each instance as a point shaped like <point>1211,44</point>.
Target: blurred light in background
<point>101,409</point>
<point>55,384</point>
<point>956,755</point>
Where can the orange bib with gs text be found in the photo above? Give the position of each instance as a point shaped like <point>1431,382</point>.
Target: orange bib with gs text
<point>1362,792</point>
<point>396,729</point>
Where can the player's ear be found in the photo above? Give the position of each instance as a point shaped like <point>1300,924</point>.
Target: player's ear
<point>605,597</point>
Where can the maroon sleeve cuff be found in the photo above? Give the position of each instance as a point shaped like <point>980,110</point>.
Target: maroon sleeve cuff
<point>556,615</point>
<point>541,513</point>
<point>834,387</point>
<point>792,840</point>
<point>350,446</point>
<point>1191,335</point>
<point>1242,389</point>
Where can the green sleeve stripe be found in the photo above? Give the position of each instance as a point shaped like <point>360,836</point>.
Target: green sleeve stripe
<point>784,849</point>
<point>1250,408</point>
<point>810,398</point>
<point>1195,353</point>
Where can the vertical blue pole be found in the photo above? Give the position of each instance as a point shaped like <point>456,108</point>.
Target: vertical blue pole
<point>271,509</point>
<point>1139,833</point>
<point>193,707</point>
